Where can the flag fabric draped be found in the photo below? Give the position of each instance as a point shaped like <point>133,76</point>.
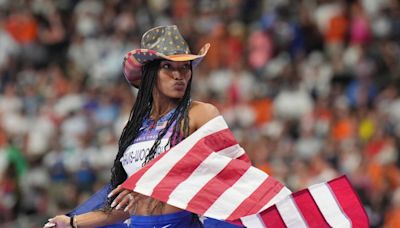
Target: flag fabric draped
<point>209,174</point>
<point>330,204</point>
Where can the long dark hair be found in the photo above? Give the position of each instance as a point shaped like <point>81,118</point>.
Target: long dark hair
<point>141,110</point>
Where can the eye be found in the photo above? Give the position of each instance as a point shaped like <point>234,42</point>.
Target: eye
<point>185,67</point>
<point>166,66</point>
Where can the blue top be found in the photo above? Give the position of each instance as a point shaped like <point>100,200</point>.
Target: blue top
<point>135,155</point>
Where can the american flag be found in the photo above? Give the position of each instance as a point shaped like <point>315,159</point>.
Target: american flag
<point>209,174</point>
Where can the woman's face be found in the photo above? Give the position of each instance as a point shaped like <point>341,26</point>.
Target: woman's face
<point>173,78</point>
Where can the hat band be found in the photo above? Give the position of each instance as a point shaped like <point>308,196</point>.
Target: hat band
<point>174,52</point>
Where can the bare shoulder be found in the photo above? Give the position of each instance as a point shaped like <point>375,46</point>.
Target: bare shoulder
<point>200,113</point>
<point>205,108</point>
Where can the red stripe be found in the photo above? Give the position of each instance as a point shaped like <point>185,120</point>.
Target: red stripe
<point>272,218</point>
<point>258,199</point>
<point>224,136</point>
<point>236,222</point>
<point>193,158</point>
<point>309,209</point>
<point>216,186</point>
<point>349,201</point>
<point>220,140</point>
<point>244,158</point>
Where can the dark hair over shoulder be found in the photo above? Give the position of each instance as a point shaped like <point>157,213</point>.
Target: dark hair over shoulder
<point>141,110</point>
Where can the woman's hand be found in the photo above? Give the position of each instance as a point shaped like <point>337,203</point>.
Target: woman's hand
<point>60,221</point>
<point>125,200</point>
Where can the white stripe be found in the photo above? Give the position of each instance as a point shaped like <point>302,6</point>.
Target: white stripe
<point>252,221</point>
<point>290,214</point>
<point>282,194</point>
<point>156,173</point>
<point>239,191</point>
<point>234,151</point>
<point>208,169</point>
<point>328,205</point>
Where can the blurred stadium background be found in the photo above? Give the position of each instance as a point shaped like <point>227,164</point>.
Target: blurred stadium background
<point>310,88</point>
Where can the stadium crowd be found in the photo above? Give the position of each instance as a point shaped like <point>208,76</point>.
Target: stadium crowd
<point>311,89</point>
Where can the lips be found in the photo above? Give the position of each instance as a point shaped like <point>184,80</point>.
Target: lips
<point>179,86</point>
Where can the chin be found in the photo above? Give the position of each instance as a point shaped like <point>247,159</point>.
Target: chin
<point>177,95</point>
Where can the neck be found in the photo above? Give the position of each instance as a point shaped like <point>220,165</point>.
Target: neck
<point>162,107</point>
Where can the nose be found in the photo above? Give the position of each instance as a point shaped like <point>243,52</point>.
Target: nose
<point>176,74</point>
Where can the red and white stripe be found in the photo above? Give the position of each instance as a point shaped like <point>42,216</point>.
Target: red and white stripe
<point>330,204</point>
<point>209,174</point>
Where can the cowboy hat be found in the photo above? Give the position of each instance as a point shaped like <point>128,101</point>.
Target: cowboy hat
<point>163,42</point>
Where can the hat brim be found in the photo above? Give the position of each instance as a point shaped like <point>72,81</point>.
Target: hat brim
<point>135,59</point>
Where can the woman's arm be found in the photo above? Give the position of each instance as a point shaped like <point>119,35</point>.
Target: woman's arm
<point>99,218</point>
<point>90,219</point>
<point>122,208</point>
